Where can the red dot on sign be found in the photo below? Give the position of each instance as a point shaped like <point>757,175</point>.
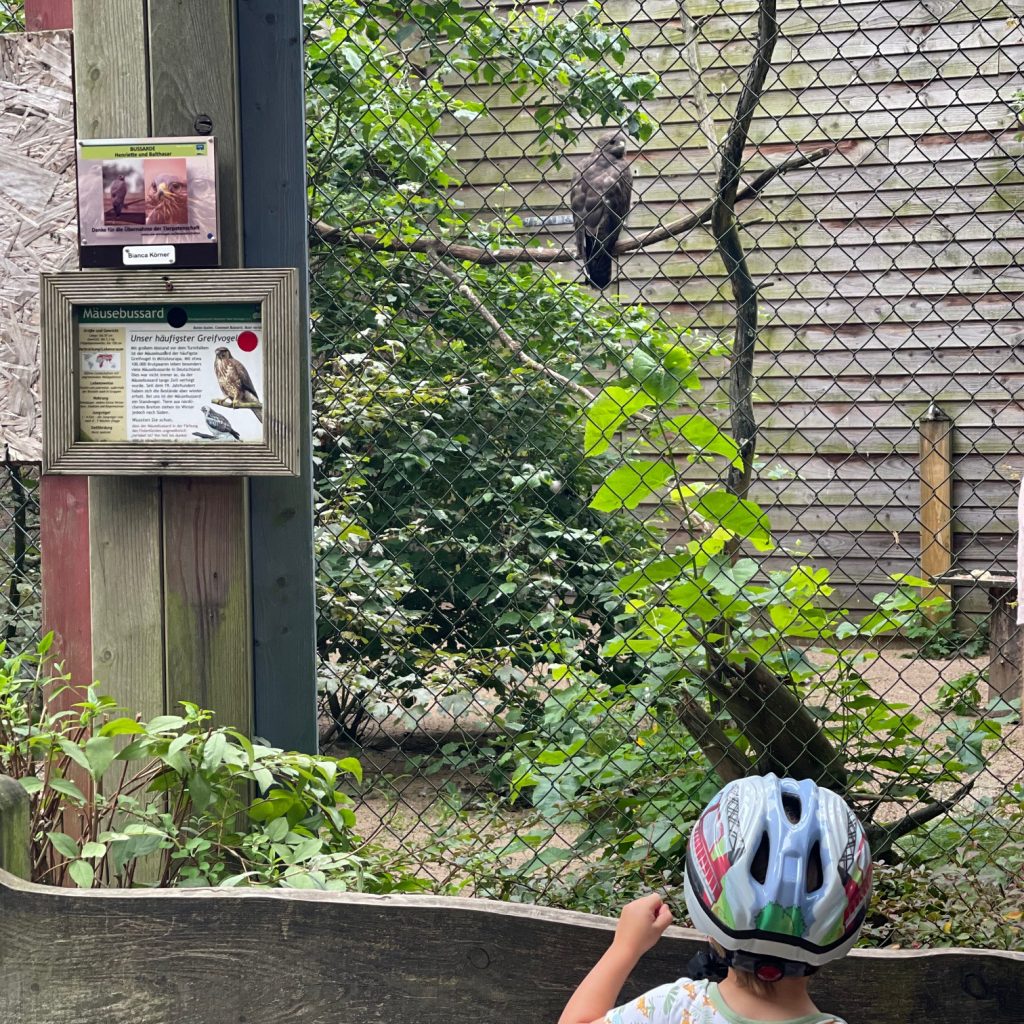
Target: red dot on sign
<point>247,341</point>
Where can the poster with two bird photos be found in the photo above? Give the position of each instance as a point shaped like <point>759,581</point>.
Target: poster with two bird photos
<point>148,202</point>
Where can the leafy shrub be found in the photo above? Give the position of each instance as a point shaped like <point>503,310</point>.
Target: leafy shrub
<point>455,543</point>
<point>174,801</point>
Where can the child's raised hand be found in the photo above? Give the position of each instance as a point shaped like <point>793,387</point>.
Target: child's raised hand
<point>642,923</point>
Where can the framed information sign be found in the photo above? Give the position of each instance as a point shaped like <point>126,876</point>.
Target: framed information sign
<point>179,373</point>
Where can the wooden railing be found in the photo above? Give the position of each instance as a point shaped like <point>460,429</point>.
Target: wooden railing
<point>277,956</point>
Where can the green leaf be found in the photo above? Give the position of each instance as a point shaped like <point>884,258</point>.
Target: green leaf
<point>93,850</point>
<point>31,784</point>
<point>743,518</point>
<point>607,413</point>
<point>99,750</point>
<point>352,766</point>
<point>67,788</point>
<point>200,792</point>
<point>81,874</point>
<point>121,727</point>
<point>707,438</point>
<point>213,751</point>
<point>656,572</point>
<point>75,752</point>
<point>277,829</point>
<point>628,485</point>
<point>63,844</point>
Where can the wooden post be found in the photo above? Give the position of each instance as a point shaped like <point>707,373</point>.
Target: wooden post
<point>273,148</point>
<point>162,592</point>
<point>936,512</point>
<point>1005,658</point>
<point>14,845</point>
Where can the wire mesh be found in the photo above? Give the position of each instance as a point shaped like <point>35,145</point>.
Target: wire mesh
<point>553,618</point>
<point>12,16</point>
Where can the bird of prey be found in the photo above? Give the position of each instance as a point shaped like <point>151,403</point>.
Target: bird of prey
<point>118,191</point>
<point>234,380</point>
<point>600,195</point>
<point>167,202</point>
<point>219,425</point>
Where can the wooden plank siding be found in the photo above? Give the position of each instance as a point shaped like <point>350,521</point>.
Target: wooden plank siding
<point>890,273</point>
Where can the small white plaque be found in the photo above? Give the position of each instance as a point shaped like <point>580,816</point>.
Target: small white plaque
<point>148,255</point>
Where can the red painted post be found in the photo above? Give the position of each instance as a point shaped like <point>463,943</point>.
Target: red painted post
<point>64,554</point>
<point>47,14</point>
<point>64,502</point>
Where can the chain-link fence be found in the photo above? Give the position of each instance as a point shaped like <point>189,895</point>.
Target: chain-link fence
<point>12,16</point>
<point>565,587</point>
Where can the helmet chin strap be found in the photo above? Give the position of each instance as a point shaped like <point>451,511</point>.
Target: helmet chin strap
<point>764,968</point>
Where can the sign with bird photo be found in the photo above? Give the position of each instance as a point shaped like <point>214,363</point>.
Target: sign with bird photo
<point>171,373</point>
<point>191,373</point>
<point>148,202</point>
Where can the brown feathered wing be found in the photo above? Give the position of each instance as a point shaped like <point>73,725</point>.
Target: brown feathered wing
<point>601,193</point>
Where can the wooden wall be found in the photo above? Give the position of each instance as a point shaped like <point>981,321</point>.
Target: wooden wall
<point>889,273</point>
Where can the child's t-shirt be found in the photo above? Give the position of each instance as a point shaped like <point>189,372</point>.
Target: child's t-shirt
<point>693,1002</point>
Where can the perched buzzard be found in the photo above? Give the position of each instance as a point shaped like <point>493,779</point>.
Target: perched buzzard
<point>118,191</point>
<point>601,191</point>
<point>167,202</point>
<point>234,380</point>
<point>219,425</point>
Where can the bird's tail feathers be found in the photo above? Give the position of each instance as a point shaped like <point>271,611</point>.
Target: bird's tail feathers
<point>258,413</point>
<point>598,263</point>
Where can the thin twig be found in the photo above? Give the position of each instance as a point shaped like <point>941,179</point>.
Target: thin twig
<point>506,339</point>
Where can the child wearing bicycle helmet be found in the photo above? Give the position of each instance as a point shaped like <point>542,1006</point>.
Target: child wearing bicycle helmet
<point>778,876</point>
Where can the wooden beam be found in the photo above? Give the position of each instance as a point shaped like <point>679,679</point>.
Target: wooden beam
<point>274,212</point>
<point>111,94</point>
<point>64,567</point>
<point>936,510</point>
<point>208,633</point>
<point>207,957</point>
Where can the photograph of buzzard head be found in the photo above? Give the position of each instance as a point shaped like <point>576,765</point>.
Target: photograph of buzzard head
<point>600,197</point>
<point>167,202</point>
<point>235,382</point>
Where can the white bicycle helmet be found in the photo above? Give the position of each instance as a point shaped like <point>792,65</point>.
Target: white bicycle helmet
<point>778,873</point>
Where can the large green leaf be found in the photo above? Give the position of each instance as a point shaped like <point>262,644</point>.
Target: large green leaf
<point>607,413</point>
<point>745,519</point>
<point>628,485</point>
<point>707,437</point>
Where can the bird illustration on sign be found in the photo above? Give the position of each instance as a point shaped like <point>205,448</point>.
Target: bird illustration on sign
<point>235,382</point>
<point>219,426</point>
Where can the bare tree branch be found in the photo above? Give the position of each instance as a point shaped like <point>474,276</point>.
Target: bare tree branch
<point>691,55</point>
<point>727,760</point>
<point>730,248</point>
<point>882,837</point>
<point>324,232</point>
<point>506,339</point>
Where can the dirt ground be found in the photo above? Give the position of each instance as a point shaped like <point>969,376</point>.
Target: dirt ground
<point>406,790</point>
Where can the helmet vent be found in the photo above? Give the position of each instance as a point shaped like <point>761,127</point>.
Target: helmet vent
<point>759,865</point>
<point>791,805</point>
<point>815,872</point>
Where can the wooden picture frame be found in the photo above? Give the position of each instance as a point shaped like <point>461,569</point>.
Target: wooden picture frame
<point>127,412</point>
